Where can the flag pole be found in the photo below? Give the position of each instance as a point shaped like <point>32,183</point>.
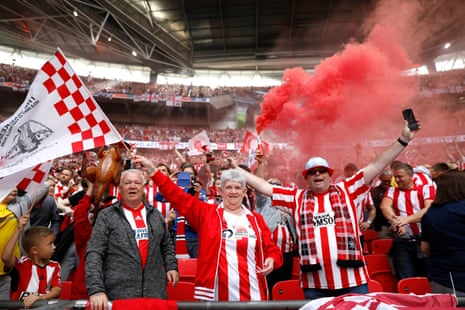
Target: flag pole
<point>125,146</point>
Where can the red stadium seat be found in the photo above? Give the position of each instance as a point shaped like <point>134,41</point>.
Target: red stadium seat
<point>187,269</point>
<point>416,285</point>
<point>287,290</point>
<point>183,291</point>
<point>387,279</point>
<point>377,262</point>
<point>381,246</point>
<point>374,286</point>
<point>368,236</point>
<point>379,269</point>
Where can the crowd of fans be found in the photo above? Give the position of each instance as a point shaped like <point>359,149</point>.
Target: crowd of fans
<point>22,77</point>
<point>166,134</point>
<point>280,164</point>
<point>437,83</point>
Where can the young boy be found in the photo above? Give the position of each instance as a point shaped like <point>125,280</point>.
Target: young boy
<point>39,277</point>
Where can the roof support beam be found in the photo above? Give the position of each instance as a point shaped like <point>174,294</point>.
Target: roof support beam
<point>124,12</point>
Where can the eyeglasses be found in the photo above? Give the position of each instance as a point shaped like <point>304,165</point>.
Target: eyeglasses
<point>275,183</point>
<point>319,170</point>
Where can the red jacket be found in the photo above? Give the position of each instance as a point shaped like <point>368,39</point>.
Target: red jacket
<point>206,219</point>
<point>82,233</point>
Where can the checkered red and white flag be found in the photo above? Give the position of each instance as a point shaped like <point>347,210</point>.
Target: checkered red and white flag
<point>28,180</point>
<point>58,117</point>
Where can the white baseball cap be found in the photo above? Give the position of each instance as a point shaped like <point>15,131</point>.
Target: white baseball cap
<point>316,162</point>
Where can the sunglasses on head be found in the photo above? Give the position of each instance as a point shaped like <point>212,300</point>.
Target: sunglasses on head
<point>319,170</point>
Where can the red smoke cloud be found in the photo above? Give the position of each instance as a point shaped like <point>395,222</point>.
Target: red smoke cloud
<point>353,96</point>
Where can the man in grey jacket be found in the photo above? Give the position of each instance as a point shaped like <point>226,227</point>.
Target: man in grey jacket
<point>130,253</point>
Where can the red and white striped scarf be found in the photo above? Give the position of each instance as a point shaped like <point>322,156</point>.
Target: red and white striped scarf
<point>349,252</point>
<point>181,243</point>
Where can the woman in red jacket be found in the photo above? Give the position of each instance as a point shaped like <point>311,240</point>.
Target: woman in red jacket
<point>236,251</point>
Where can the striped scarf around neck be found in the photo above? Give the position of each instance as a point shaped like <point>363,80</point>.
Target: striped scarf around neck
<point>349,254</point>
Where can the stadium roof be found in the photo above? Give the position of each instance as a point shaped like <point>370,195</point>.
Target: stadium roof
<point>180,36</point>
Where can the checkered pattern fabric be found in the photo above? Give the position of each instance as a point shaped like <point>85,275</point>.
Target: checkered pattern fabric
<point>58,117</point>
<point>347,245</point>
<point>35,177</point>
<point>87,124</point>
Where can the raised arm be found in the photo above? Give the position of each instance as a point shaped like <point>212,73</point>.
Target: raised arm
<point>256,182</point>
<point>388,155</point>
<point>8,252</point>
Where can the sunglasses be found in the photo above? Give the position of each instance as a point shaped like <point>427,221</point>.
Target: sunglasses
<point>275,183</point>
<point>319,170</point>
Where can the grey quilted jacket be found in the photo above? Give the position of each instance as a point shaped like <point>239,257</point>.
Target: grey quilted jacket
<point>113,263</point>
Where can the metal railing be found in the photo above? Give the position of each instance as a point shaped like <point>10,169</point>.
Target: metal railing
<point>251,305</point>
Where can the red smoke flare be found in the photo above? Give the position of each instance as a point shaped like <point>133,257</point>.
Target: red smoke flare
<point>357,95</point>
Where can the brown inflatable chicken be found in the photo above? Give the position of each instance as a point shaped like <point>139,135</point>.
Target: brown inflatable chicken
<point>108,171</point>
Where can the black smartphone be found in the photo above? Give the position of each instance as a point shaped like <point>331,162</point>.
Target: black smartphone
<point>410,118</point>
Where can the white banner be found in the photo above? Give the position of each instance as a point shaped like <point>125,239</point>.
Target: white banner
<point>58,117</point>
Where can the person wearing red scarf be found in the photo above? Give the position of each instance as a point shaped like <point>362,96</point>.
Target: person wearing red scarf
<point>330,253</point>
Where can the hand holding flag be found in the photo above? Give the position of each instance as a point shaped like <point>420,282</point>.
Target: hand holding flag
<point>254,147</point>
<point>58,117</point>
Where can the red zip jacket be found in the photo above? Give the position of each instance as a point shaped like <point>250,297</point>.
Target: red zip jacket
<point>82,233</point>
<point>206,219</point>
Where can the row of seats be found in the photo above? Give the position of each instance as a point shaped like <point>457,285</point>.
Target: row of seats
<point>379,268</point>
<point>374,245</point>
<point>283,290</point>
<point>291,290</point>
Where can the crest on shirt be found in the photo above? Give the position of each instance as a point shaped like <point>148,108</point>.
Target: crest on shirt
<point>227,234</point>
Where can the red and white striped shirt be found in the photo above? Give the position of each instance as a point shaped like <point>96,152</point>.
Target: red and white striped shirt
<point>150,191</point>
<point>36,279</point>
<point>408,202</point>
<point>238,281</point>
<point>283,238</point>
<point>330,276</point>
<point>365,201</point>
<point>420,179</point>
<point>137,220</point>
<point>163,207</point>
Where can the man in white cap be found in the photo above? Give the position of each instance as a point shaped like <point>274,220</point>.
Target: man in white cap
<point>330,255</point>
